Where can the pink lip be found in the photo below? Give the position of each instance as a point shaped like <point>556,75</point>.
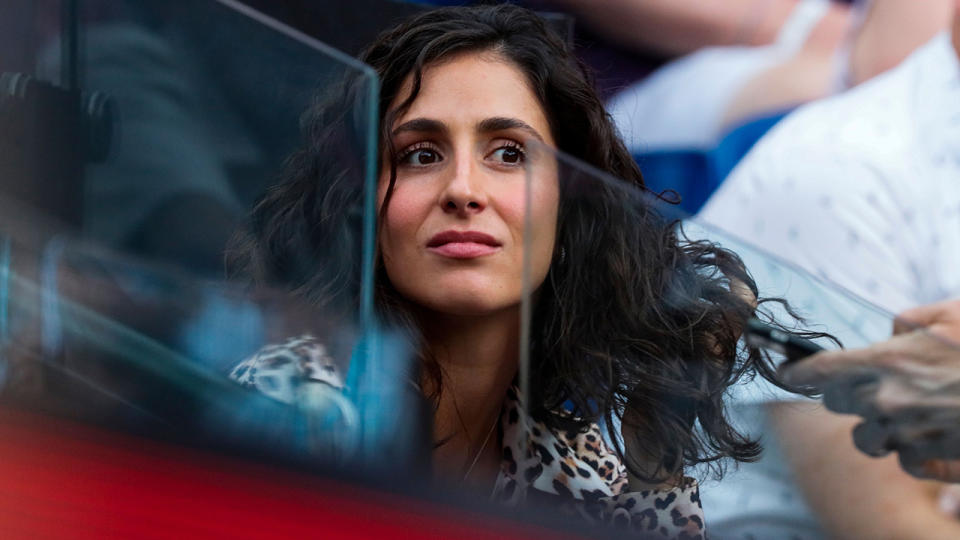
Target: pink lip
<point>463,244</point>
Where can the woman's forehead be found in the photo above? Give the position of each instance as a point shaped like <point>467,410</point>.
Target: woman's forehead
<point>468,88</point>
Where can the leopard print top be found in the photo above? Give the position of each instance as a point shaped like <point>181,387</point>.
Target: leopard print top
<point>576,471</point>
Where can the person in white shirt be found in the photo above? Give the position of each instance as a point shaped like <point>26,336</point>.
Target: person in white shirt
<point>863,190</point>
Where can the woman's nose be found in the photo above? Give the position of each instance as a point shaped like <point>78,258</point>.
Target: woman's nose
<point>458,206</point>
<point>464,193</point>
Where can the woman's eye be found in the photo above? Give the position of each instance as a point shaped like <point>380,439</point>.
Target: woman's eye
<point>423,156</point>
<point>508,154</point>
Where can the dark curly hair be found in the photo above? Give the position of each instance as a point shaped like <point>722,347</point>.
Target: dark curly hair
<point>636,316</point>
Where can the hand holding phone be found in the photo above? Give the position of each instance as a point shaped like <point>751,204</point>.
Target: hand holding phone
<point>792,347</point>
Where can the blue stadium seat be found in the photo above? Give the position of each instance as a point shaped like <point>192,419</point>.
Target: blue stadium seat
<point>696,174</point>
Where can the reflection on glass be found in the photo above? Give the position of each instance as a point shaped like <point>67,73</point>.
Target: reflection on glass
<point>112,303</point>
<point>179,126</point>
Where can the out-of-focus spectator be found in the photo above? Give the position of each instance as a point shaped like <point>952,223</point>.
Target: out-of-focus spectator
<point>165,191</point>
<point>203,122</point>
<point>860,189</point>
<point>879,36</point>
<point>686,104</point>
<point>818,49</point>
<point>673,28</point>
<point>906,389</point>
<point>692,120</point>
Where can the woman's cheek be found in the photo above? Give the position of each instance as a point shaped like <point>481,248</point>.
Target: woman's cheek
<point>406,212</point>
<point>543,209</point>
<point>510,204</point>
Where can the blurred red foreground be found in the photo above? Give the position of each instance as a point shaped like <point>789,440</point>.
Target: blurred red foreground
<point>60,479</point>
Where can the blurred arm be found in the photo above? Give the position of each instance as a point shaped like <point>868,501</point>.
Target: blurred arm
<point>809,74</point>
<point>891,31</point>
<point>676,27</point>
<point>853,495</point>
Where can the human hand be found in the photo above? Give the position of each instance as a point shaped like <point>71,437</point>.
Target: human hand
<point>907,389</point>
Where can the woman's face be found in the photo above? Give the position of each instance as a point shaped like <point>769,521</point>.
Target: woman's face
<point>452,236</point>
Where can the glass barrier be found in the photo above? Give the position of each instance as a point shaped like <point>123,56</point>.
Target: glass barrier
<point>96,340</point>
<point>639,317</point>
<point>175,127</point>
<point>115,341</point>
<point>167,130</point>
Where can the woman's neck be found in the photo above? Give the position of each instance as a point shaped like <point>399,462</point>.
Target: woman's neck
<point>478,361</point>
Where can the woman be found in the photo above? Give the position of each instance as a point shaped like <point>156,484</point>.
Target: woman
<point>463,91</point>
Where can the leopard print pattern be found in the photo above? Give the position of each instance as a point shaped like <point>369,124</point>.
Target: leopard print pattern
<point>581,475</point>
<point>576,472</point>
<point>280,371</point>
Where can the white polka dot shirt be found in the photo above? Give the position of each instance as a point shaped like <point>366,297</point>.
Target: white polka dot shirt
<point>862,189</point>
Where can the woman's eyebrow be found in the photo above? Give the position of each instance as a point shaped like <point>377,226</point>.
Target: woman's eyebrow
<point>421,125</point>
<point>500,123</point>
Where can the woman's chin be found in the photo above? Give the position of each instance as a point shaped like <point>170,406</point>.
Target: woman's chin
<point>468,304</point>
<point>476,308</point>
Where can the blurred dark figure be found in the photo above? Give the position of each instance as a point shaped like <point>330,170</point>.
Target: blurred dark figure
<point>203,119</point>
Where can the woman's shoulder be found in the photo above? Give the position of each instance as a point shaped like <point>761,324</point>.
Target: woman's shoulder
<point>674,509</point>
<point>574,464</point>
<point>278,370</point>
<point>582,466</point>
